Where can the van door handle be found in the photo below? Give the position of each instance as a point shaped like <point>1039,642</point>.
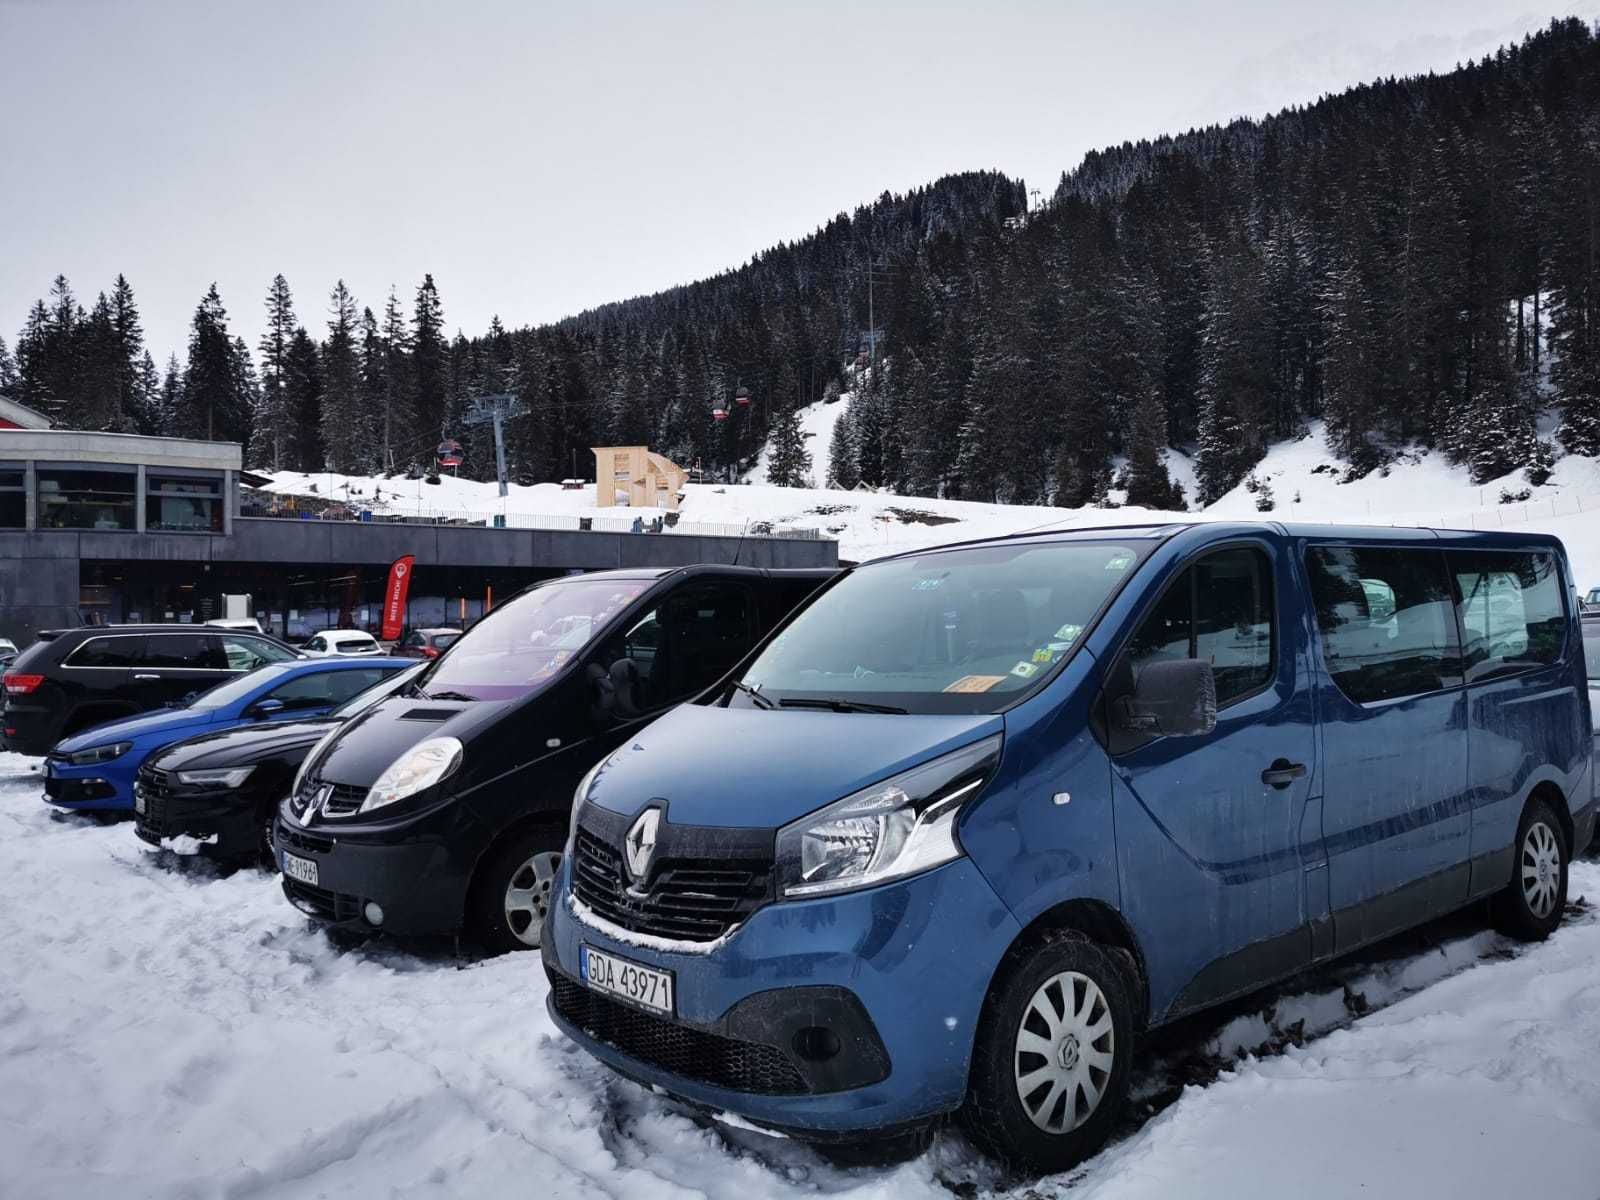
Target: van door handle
<point>1282,773</point>
<point>147,679</point>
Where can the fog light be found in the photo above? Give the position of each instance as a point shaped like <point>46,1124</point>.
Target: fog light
<point>373,913</point>
<point>815,1044</point>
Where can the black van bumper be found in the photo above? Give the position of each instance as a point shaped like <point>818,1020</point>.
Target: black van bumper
<point>414,885</point>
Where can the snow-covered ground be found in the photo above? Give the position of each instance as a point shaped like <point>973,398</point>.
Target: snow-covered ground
<point>169,1032</point>
<point>1305,477</point>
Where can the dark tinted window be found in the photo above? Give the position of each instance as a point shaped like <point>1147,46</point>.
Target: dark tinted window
<point>184,650</point>
<point>1511,614</point>
<point>13,500</point>
<point>1219,609</point>
<point>86,497</point>
<point>705,630</point>
<point>107,652</point>
<point>1591,649</point>
<point>441,640</point>
<point>325,688</point>
<point>247,653</point>
<point>1386,620</point>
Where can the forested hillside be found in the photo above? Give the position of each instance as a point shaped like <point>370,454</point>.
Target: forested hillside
<point>1415,261</point>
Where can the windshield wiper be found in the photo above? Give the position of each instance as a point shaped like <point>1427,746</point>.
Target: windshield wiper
<point>445,695</point>
<point>755,695</point>
<point>840,705</point>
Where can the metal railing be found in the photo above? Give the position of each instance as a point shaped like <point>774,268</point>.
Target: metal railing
<point>514,520</point>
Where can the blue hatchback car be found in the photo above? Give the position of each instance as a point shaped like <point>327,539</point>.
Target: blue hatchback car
<point>95,769</point>
<point>976,817</point>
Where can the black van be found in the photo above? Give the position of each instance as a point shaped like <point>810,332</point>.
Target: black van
<point>445,808</point>
<point>72,679</point>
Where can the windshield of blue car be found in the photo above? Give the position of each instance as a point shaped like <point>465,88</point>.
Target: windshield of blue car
<point>1591,649</point>
<point>523,643</point>
<point>957,631</point>
<point>234,690</point>
<point>387,686</point>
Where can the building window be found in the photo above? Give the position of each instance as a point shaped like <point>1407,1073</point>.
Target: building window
<point>183,503</point>
<point>13,500</point>
<point>100,497</point>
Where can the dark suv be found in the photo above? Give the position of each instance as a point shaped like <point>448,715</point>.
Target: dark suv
<point>71,679</point>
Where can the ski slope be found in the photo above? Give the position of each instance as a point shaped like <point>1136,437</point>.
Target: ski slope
<point>1306,478</point>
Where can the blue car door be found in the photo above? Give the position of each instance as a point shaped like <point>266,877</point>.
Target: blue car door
<point>1393,713</point>
<point>1216,833</point>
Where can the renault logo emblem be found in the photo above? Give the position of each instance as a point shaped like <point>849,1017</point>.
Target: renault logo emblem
<point>639,847</point>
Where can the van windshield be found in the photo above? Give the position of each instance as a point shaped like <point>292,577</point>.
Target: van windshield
<point>523,643</point>
<point>958,631</point>
<point>1591,650</point>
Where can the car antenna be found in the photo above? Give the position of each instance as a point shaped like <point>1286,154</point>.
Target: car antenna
<point>739,549</point>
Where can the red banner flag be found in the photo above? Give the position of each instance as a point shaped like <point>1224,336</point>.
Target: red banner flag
<point>394,598</point>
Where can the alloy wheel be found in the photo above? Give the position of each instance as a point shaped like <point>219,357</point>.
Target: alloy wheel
<point>1065,1048</point>
<point>527,897</point>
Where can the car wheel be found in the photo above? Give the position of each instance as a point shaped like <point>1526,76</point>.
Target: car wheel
<point>513,890</point>
<point>266,818</point>
<point>1533,903</point>
<point>1050,1065</point>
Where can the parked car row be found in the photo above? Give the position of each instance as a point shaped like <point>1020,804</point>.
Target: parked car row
<point>946,833</point>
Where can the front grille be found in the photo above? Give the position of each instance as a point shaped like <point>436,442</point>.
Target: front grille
<point>691,1053</point>
<point>154,788</point>
<point>343,800</point>
<point>320,902</point>
<point>310,843</point>
<point>690,899</point>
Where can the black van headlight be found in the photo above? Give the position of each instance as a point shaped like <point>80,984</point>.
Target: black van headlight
<point>423,766</point>
<point>897,827</point>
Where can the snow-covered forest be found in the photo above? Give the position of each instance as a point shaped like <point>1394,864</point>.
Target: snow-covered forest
<point>1413,262</point>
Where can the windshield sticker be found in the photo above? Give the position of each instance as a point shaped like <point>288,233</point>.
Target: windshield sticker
<point>1043,656</point>
<point>929,583</point>
<point>952,619</point>
<point>1119,562</point>
<point>975,683</point>
<point>1024,670</point>
<point>1067,634</point>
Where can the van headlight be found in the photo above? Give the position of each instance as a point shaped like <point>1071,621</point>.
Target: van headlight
<point>418,769</point>
<point>897,827</point>
<point>98,754</point>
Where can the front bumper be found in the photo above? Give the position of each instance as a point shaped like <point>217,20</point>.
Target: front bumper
<point>914,958</point>
<point>230,817</point>
<point>417,873</point>
<point>103,787</point>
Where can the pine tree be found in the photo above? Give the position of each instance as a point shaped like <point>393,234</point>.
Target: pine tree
<point>273,428</point>
<point>401,440</point>
<point>213,406</point>
<point>429,366</point>
<point>148,417</point>
<point>302,384</point>
<point>842,470</point>
<point>246,390</point>
<point>169,406</point>
<point>344,446</point>
<point>1147,482</point>
<point>9,379</point>
<point>374,389</point>
<point>789,462</point>
<point>133,400</point>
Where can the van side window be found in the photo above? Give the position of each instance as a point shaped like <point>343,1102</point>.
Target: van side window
<point>1511,613</point>
<point>1385,619</point>
<point>1220,610</point>
<point>183,650</point>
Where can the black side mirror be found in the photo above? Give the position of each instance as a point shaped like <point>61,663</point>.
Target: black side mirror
<point>624,676</point>
<point>1172,697</point>
<point>265,708</point>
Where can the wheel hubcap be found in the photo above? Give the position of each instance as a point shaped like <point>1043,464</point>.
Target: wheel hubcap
<point>1066,1045</point>
<point>1541,869</point>
<point>527,896</point>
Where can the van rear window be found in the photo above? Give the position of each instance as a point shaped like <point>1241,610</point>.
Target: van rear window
<point>1511,611</point>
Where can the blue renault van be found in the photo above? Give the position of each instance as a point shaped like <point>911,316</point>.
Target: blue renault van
<point>952,837</point>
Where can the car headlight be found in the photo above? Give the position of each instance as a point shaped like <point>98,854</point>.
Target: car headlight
<point>418,769</point>
<point>310,759</point>
<point>228,777</point>
<point>99,754</point>
<point>897,827</point>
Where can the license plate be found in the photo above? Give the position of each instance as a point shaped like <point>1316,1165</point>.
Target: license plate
<point>138,800</point>
<point>303,869</point>
<point>631,981</point>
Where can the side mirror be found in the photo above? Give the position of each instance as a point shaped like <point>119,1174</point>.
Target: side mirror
<point>624,676</point>
<point>1173,697</point>
<point>265,708</point>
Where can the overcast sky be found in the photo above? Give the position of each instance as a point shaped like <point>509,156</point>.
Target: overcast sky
<point>542,158</point>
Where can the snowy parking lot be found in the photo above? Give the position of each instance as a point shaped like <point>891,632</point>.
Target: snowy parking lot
<point>166,1030</point>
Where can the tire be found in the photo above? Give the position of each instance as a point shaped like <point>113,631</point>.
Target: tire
<point>266,850</point>
<point>1058,1024</point>
<point>1535,899</point>
<point>512,889</point>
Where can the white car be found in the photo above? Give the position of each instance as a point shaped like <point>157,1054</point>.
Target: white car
<point>341,643</point>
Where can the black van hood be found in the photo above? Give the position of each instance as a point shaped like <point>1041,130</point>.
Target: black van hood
<point>370,742</point>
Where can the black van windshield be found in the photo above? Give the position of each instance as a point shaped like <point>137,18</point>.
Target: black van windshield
<point>521,644</point>
<point>960,631</point>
